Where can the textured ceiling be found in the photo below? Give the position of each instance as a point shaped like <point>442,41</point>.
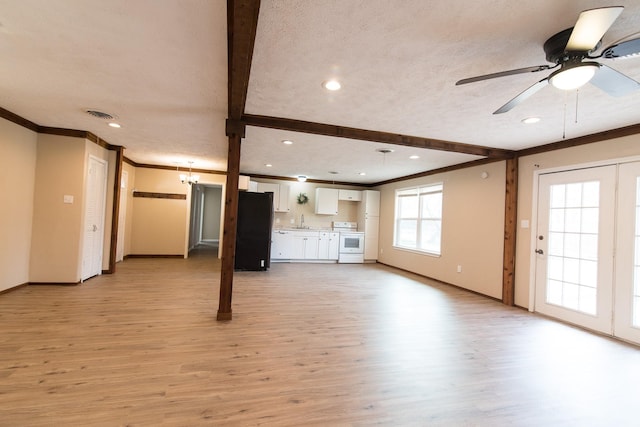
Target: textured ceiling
<point>160,66</point>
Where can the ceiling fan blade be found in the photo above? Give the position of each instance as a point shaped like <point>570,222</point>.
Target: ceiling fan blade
<point>620,50</point>
<point>591,26</point>
<point>522,96</point>
<point>503,74</point>
<point>614,82</point>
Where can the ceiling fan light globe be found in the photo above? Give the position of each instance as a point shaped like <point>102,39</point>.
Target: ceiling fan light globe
<point>572,78</point>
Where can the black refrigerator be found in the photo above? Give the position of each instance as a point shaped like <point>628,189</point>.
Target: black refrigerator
<point>253,235</point>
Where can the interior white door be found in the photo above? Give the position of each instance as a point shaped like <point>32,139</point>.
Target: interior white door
<point>122,216</point>
<point>95,198</point>
<point>574,246</point>
<point>627,283</point>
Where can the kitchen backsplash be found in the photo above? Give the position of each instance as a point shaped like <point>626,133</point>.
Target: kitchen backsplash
<point>347,211</point>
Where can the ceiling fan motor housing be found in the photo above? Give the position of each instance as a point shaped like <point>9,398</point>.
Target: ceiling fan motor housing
<point>555,48</point>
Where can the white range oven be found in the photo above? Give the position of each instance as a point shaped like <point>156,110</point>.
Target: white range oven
<point>351,242</point>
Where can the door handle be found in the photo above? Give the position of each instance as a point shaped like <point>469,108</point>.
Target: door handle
<point>539,251</point>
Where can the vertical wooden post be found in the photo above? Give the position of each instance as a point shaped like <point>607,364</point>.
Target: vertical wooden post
<point>235,134</point>
<point>510,229</point>
<point>115,212</point>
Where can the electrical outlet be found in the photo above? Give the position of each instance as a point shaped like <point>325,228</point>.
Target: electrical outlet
<point>459,270</point>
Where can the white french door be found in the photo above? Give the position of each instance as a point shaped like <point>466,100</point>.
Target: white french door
<point>588,248</point>
<point>627,289</point>
<point>574,246</point>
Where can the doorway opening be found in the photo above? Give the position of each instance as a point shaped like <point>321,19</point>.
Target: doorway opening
<point>587,247</point>
<point>205,220</point>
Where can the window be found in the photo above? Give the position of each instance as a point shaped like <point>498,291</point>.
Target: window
<point>419,218</point>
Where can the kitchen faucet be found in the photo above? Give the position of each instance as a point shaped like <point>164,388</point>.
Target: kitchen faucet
<point>301,220</point>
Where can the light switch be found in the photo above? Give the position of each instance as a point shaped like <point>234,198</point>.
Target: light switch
<point>524,223</point>
<point>68,199</point>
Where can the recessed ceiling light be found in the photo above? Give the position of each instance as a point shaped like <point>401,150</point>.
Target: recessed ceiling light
<point>362,173</point>
<point>531,120</point>
<point>268,165</point>
<point>287,142</point>
<point>414,157</point>
<point>332,85</point>
<point>115,125</point>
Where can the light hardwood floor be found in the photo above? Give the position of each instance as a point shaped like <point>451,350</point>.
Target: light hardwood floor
<point>308,344</point>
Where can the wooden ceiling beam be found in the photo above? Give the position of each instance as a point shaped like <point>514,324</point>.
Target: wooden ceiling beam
<point>242,23</point>
<point>373,136</point>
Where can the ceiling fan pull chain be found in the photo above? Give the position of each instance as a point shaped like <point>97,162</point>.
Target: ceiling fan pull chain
<point>564,117</point>
<point>577,97</point>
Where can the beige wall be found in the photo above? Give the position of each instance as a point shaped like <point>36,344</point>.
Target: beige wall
<point>472,230</point>
<point>159,226</point>
<point>597,152</point>
<point>56,241</point>
<point>56,245</point>
<point>18,148</point>
<point>131,171</point>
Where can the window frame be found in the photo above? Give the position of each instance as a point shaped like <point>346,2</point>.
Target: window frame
<point>418,192</point>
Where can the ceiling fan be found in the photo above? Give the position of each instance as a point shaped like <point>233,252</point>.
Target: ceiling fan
<point>571,51</point>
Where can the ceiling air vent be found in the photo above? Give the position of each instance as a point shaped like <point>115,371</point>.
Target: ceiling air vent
<point>100,115</point>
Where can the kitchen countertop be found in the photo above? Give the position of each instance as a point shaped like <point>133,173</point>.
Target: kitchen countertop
<point>302,229</point>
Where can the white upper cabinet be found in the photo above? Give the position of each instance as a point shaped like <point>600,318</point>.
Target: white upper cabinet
<point>327,201</point>
<point>280,195</point>
<point>243,182</point>
<point>283,200</point>
<point>351,195</point>
<point>370,205</point>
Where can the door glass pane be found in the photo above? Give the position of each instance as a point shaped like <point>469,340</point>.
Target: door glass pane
<point>572,264</point>
<point>556,244</point>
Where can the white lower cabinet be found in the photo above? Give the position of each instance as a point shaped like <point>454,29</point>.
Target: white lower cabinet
<point>293,245</point>
<point>305,245</point>
<point>328,245</point>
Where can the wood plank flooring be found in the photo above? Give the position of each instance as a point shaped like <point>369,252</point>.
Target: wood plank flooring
<point>318,345</point>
